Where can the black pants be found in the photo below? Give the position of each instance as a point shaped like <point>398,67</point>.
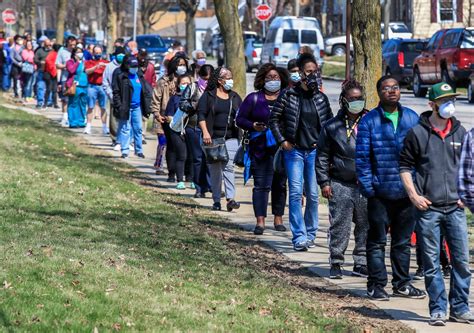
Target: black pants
<point>170,153</point>
<point>179,147</point>
<point>265,180</point>
<point>51,88</point>
<point>15,75</point>
<point>201,177</point>
<point>399,216</point>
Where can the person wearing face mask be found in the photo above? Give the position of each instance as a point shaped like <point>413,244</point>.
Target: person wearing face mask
<point>165,88</point>
<point>131,100</point>
<point>336,175</point>
<point>177,139</point>
<point>107,81</point>
<point>199,59</point>
<point>379,140</point>
<point>429,163</point>
<point>50,77</point>
<point>253,117</point>
<point>77,104</point>
<point>217,109</point>
<point>64,54</point>
<point>17,61</point>
<point>296,122</point>
<point>294,71</point>
<point>188,104</point>
<point>95,93</point>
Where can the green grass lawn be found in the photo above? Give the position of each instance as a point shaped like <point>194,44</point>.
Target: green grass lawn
<point>334,71</point>
<point>84,246</point>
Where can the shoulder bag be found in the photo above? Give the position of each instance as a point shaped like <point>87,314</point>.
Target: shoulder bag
<point>217,151</point>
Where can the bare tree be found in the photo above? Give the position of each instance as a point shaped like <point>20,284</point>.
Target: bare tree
<point>61,18</point>
<point>149,9</point>
<point>32,17</point>
<point>190,7</point>
<point>228,17</point>
<point>366,38</point>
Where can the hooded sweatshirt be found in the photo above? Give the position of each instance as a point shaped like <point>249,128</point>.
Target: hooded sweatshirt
<point>435,162</point>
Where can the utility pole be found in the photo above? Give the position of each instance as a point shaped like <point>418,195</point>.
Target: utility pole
<point>135,6</point>
<point>386,19</point>
<point>297,7</point>
<point>348,38</point>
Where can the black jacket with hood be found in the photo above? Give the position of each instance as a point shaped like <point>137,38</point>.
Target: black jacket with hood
<point>435,162</point>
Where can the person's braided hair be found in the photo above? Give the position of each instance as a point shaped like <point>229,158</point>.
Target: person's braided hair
<point>213,80</point>
<point>347,86</point>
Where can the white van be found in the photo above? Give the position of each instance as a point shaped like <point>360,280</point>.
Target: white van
<point>285,36</point>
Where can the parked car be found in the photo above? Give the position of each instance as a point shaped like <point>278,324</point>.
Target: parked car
<point>337,45</point>
<point>154,46</point>
<point>448,57</point>
<point>253,51</point>
<point>285,36</point>
<point>470,89</point>
<point>397,58</point>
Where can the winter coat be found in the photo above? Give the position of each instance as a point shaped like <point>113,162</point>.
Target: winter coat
<point>435,161</point>
<point>336,153</point>
<point>165,88</point>
<point>285,116</point>
<point>378,149</point>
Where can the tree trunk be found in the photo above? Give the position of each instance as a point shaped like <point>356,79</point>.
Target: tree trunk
<point>62,8</point>
<point>111,25</point>
<point>32,18</point>
<point>228,18</point>
<point>366,18</point>
<point>190,33</point>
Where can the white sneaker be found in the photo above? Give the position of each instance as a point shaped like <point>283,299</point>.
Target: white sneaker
<point>117,147</point>
<point>64,122</point>
<point>105,130</point>
<point>87,130</point>
<point>131,148</point>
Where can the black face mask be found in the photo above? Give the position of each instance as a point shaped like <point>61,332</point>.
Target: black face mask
<point>312,82</point>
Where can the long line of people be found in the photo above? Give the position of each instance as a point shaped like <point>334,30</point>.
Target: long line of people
<point>386,170</point>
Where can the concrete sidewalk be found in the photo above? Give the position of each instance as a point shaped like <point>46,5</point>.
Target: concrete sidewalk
<point>413,313</point>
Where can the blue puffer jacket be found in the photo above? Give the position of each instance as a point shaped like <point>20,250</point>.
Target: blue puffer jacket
<point>377,153</point>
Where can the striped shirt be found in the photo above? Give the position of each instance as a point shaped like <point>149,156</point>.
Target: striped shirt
<point>466,171</point>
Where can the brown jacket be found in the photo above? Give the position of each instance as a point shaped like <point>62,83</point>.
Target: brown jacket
<point>161,95</point>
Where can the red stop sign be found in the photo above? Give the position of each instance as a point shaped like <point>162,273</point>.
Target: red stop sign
<point>9,16</point>
<point>263,12</point>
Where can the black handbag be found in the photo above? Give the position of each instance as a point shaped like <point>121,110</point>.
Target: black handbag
<point>217,151</point>
<point>240,154</point>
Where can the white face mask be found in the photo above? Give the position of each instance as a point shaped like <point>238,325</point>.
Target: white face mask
<point>355,107</point>
<point>181,70</point>
<point>447,110</point>
<point>79,56</point>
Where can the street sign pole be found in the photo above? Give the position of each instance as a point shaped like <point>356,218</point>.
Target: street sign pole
<point>135,5</point>
<point>348,38</point>
<point>264,29</point>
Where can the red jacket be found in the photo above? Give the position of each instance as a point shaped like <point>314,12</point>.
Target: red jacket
<point>150,75</point>
<point>50,64</point>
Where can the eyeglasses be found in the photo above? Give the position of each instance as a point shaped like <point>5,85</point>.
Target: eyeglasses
<point>390,88</point>
<point>272,78</point>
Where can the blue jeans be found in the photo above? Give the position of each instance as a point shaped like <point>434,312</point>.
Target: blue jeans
<point>201,177</point>
<point>300,168</point>
<point>28,80</point>
<point>40,88</point>
<point>6,83</point>
<point>134,122</point>
<point>454,227</point>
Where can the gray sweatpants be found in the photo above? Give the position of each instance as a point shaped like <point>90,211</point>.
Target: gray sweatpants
<point>347,205</point>
<point>224,170</point>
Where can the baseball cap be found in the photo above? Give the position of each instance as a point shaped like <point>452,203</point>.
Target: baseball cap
<point>42,39</point>
<point>132,62</point>
<point>441,90</point>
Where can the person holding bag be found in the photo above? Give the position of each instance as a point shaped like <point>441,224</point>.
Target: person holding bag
<point>177,120</point>
<point>76,89</point>
<point>216,114</point>
<point>27,71</point>
<point>253,117</point>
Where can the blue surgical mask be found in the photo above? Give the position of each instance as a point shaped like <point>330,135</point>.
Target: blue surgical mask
<point>355,107</point>
<point>295,77</point>
<point>182,87</point>
<point>120,57</point>
<point>201,61</point>
<point>273,86</point>
<point>229,84</point>
<point>133,70</point>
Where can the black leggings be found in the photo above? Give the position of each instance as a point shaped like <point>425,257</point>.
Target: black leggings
<point>179,148</point>
<point>51,88</point>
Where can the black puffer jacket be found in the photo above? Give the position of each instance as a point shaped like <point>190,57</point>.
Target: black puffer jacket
<point>188,103</point>
<point>122,90</point>
<point>435,161</point>
<point>285,117</point>
<point>336,154</point>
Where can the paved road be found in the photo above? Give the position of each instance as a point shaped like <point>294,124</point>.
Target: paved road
<point>465,111</point>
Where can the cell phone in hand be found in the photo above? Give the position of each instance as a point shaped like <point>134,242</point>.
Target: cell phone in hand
<point>260,124</point>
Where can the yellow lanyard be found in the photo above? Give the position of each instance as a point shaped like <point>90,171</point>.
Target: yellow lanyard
<point>350,129</point>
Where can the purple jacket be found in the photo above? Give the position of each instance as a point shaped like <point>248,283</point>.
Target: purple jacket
<point>253,109</point>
